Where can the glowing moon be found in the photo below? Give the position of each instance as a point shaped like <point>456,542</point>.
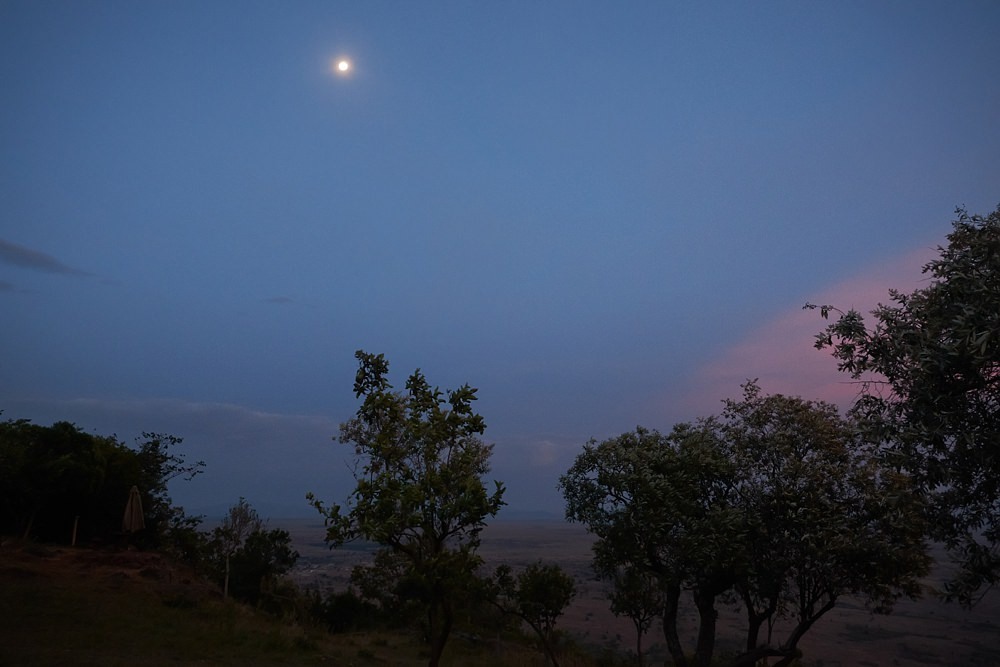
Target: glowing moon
<point>343,66</point>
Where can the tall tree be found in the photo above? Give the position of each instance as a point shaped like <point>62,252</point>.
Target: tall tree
<point>420,493</point>
<point>240,522</point>
<point>823,518</point>
<point>660,504</point>
<point>928,369</point>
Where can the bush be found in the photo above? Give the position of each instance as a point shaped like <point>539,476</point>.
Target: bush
<point>346,612</point>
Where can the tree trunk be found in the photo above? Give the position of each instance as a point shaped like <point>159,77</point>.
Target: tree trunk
<point>791,646</point>
<point>705,601</point>
<point>638,644</point>
<point>756,620</point>
<point>549,651</point>
<point>225,584</point>
<point>440,637</point>
<point>546,640</point>
<point>670,605</point>
<point>31,522</point>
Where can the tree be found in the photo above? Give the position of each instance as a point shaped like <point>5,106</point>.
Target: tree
<point>391,585</point>
<point>420,493</point>
<point>635,594</point>
<point>257,566</point>
<point>659,504</point>
<point>928,369</point>
<point>51,475</point>
<point>238,525</point>
<point>776,502</point>
<point>823,518</point>
<point>249,557</point>
<point>538,596</point>
<point>159,464</point>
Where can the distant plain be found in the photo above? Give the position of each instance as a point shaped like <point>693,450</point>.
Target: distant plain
<point>922,632</point>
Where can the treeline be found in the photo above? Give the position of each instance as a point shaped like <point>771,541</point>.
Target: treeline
<point>58,482</point>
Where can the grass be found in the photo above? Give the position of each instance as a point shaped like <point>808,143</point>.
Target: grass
<point>53,615</point>
<point>86,608</point>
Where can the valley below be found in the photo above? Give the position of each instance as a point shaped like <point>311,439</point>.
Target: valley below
<point>921,632</point>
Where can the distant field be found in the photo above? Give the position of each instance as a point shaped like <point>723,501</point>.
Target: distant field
<point>926,632</point>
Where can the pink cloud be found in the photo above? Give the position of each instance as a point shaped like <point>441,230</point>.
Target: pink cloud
<point>780,353</point>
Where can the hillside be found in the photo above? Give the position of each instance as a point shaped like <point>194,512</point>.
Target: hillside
<point>83,607</point>
<point>63,606</point>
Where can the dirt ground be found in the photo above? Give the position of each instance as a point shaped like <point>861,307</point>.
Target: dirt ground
<point>923,632</point>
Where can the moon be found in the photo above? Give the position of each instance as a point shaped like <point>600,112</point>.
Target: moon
<point>343,66</point>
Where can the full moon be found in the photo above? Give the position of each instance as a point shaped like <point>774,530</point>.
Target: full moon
<point>343,66</point>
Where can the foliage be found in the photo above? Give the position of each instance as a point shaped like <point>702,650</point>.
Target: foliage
<point>774,502</point>
<point>419,493</point>
<point>635,594</point>
<point>391,584</point>
<point>49,475</point>
<point>257,566</point>
<point>659,504</point>
<point>823,518</point>
<point>158,466</point>
<point>240,521</point>
<point>538,595</point>
<point>345,611</point>
<point>929,373</point>
<point>184,540</point>
<point>248,558</point>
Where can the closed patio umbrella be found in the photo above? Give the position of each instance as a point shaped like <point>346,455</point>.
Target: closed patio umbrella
<point>133,521</point>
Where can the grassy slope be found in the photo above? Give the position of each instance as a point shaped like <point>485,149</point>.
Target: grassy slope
<point>82,607</point>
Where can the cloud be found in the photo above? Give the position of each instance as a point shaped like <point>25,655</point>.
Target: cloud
<point>530,467</point>
<point>6,286</point>
<point>18,255</point>
<point>781,353</point>
<point>279,299</point>
<point>544,453</point>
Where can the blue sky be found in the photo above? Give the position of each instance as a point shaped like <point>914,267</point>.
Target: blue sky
<point>600,214</point>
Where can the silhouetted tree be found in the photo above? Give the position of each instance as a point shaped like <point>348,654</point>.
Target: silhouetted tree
<point>823,518</point>
<point>420,492</point>
<point>636,595</point>
<point>538,595</point>
<point>247,556</point>
<point>49,475</point>
<point>661,504</point>
<point>929,374</point>
<point>239,523</point>
<point>777,500</point>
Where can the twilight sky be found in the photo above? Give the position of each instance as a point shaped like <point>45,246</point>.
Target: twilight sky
<point>600,214</point>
